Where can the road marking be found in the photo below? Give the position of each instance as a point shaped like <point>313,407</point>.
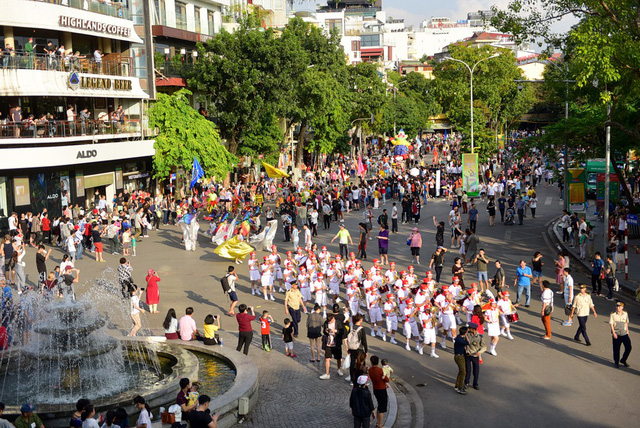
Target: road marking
<point>560,202</point>
<point>548,200</point>
<point>507,235</point>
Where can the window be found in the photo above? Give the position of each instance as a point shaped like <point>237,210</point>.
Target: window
<point>370,40</point>
<point>161,12</point>
<point>334,24</point>
<point>181,15</point>
<point>197,20</point>
<point>355,45</point>
<point>210,20</point>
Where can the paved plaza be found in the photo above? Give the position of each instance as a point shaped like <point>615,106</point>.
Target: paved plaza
<point>557,382</point>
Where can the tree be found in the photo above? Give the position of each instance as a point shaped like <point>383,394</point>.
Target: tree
<point>498,99</point>
<point>601,48</point>
<point>312,82</point>
<point>184,134</point>
<point>234,72</point>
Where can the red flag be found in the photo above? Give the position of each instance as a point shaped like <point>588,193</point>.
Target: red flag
<point>342,174</point>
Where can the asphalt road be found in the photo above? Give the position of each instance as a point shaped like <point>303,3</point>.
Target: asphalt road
<point>531,381</point>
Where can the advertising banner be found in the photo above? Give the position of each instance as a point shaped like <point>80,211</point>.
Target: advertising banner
<point>470,174</point>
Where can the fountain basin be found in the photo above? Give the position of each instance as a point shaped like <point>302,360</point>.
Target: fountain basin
<point>181,363</point>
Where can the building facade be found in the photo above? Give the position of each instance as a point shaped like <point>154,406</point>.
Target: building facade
<point>74,93</point>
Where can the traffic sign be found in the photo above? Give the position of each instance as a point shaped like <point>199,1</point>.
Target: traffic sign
<point>632,219</point>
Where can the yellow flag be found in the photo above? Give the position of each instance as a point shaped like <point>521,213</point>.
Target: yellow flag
<point>273,172</point>
<point>234,248</point>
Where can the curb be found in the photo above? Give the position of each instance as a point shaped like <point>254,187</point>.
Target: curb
<point>392,414</point>
<point>552,232</point>
<point>414,415</point>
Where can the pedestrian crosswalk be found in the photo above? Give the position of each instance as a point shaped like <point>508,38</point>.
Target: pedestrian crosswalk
<point>548,200</point>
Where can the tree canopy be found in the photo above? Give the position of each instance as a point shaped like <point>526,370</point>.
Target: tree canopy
<point>498,98</point>
<point>184,134</point>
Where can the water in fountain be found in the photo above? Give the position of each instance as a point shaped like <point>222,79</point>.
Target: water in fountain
<point>61,348</point>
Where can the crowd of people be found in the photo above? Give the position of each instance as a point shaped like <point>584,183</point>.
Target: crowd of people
<point>412,306</point>
<point>17,124</point>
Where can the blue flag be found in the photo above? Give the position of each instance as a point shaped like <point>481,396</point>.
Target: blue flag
<point>196,172</point>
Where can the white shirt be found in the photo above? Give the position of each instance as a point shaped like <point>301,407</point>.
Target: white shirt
<point>12,223</point>
<point>394,212</point>
<point>135,304</point>
<point>505,305</point>
<point>547,296</point>
<point>173,326</point>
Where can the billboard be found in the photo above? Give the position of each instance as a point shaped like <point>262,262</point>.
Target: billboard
<point>470,174</point>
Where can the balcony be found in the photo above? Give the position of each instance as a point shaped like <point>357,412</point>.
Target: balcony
<point>51,131</point>
<point>117,10</point>
<point>81,64</point>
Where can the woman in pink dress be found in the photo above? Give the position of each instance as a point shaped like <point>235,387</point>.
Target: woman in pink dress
<point>560,263</point>
<point>153,292</point>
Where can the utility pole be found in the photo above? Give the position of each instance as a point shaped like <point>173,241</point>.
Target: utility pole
<point>607,181</point>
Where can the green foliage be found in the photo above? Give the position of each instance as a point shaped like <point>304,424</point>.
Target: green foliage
<point>602,54</point>
<point>235,72</point>
<point>498,100</point>
<point>183,135</point>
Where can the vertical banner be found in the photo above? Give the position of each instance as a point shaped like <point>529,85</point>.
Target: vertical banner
<point>21,191</point>
<point>501,141</point>
<point>65,188</point>
<point>470,174</point>
<point>438,178</point>
<point>79,185</point>
<point>119,182</point>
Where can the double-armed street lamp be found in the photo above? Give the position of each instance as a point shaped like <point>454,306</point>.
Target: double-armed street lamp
<point>471,70</point>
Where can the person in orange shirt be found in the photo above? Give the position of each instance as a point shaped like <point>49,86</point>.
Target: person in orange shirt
<point>379,381</point>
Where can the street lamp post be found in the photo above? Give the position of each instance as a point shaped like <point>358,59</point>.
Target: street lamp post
<point>566,116</point>
<point>471,70</point>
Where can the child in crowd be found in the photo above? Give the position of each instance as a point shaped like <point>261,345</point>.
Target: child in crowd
<point>265,330</point>
<point>386,369</point>
<point>287,336</point>
<point>193,394</point>
<point>126,241</point>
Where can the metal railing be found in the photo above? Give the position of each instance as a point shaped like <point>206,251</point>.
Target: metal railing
<point>171,69</point>
<point>63,128</point>
<point>114,8</point>
<point>82,64</point>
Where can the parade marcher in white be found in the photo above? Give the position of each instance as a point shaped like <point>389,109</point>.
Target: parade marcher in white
<point>492,320</point>
<point>429,323</point>
<point>319,289</point>
<point>274,257</point>
<point>391,318</point>
<point>304,282</point>
<point>506,309</point>
<point>446,304</point>
<point>410,325</point>
<point>267,279</point>
<point>334,274</point>
<point>375,314</point>
<point>353,297</point>
<point>254,273</point>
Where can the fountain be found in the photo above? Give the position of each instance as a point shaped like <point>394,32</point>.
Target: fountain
<point>64,349</point>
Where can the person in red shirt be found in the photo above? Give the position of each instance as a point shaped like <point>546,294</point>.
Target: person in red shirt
<point>244,327</point>
<point>46,227</point>
<point>379,381</point>
<point>265,330</point>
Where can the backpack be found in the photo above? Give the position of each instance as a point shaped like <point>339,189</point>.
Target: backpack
<point>353,340</point>
<point>224,281</point>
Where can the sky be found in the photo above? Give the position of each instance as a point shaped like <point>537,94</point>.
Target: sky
<point>415,11</point>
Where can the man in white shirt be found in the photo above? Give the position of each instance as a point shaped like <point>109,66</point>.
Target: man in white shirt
<point>13,221</point>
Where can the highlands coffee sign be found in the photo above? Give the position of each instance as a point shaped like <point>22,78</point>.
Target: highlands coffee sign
<point>95,26</point>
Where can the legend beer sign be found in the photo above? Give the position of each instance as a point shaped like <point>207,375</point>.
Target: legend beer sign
<point>105,83</point>
<point>76,81</point>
